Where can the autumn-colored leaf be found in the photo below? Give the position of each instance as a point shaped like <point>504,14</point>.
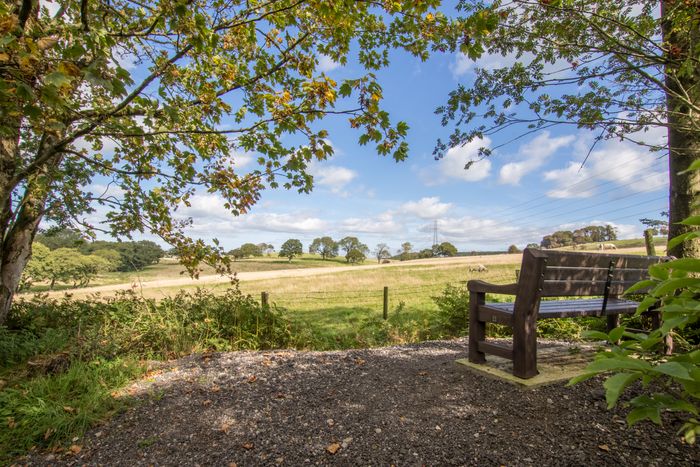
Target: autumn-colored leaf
<point>248,445</point>
<point>333,448</point>
<point>604,447</point>
<point>252,379</point>
<point>69,409</point>
<point>75,449</point>
<point>48,433</point>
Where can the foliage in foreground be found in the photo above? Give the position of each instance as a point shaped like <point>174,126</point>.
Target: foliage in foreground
<point>670,383</point>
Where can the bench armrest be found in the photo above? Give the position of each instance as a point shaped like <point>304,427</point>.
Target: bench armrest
<point>486,287</point>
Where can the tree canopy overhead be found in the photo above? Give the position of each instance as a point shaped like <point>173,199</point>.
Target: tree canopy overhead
<point>158,98</point>
<point>615,67</point>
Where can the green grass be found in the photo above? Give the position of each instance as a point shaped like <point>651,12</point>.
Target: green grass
<point>169,268</point>
<point>52,409</point>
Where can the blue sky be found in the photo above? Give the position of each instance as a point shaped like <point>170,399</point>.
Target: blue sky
<point>525,190</point>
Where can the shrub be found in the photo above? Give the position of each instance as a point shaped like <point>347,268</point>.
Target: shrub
<point>453,310</point>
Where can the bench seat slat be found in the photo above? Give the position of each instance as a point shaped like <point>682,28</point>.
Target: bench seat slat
<point>583,288</point>
<point>594,260</point>
<point>594,274</point>
<point>563,308</point>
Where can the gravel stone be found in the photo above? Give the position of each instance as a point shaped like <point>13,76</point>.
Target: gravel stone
<point>385,405</point>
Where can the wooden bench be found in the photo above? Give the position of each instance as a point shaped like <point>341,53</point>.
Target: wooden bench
<point>552,274</point>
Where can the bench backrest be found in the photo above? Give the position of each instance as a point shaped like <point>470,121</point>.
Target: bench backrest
<point>571,273</point>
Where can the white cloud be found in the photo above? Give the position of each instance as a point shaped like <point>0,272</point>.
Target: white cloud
<point>381,224</point>
<point>211,217</point>
<point>533,155</point>
<point>482,231</point>
<point>332,177</point>
<point>106,191</point>
<point>461,65</point>
<point>621,163</point>
<point>453,163</point>
<point>108,145</point>
<point>326,64</point>
<point>242,159</point>
<point>51,6</point>
<point>572,182</point>
<point>426,208</point>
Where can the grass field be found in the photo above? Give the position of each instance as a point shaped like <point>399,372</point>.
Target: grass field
<point>331,306</point>
<point>169,268</point>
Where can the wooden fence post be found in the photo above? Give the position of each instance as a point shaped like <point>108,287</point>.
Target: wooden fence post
<point>386,302</point>
<point>649,241</point>
<point>265,300</point>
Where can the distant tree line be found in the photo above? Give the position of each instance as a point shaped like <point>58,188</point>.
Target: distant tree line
<point>64,255</point>
<point>443,249</point>
<point>249,250</point>
<point>588,234</point>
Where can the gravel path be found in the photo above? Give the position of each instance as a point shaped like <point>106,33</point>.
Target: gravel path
<point>405,405</point>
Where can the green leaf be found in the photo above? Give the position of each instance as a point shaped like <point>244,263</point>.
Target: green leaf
<point>581,378</point>
<point>671,285</point>
<point>616,334</point>
<point>686,264</point>
<point>601,336</point>
<point>618,362</point>
<point>675,241</point>
<point>640,285</point>
<point>57,79</point>
<point>643,413</point>
<point>617,383</point>
<point>674,370</point>
<point>692,220</point>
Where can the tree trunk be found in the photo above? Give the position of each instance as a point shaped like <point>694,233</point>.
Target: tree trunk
<point>683,140</point>
<point>17,247</point>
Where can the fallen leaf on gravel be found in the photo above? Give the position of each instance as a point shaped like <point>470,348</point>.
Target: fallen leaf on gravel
<point>232,464</point>
<point>252,379</point>
<point>333,448</point>
<point>75,449</point>
<point>225,427</point>
<point>206,402</point>
<point>604,447</point>
<point>422,373</point>
<point>359,361</point>
<point>215,388</point>
<point>248,445</point>
<point>280,396</point>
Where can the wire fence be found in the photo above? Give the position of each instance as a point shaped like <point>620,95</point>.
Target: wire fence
<point>381,296</point>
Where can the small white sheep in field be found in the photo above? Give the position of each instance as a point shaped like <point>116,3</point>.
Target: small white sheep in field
<point>607,246</point>
<point>478,268</point>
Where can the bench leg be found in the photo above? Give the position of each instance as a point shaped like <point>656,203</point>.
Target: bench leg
<point>477,329</point>
<point>525,347</point>
<point>613,322</point>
